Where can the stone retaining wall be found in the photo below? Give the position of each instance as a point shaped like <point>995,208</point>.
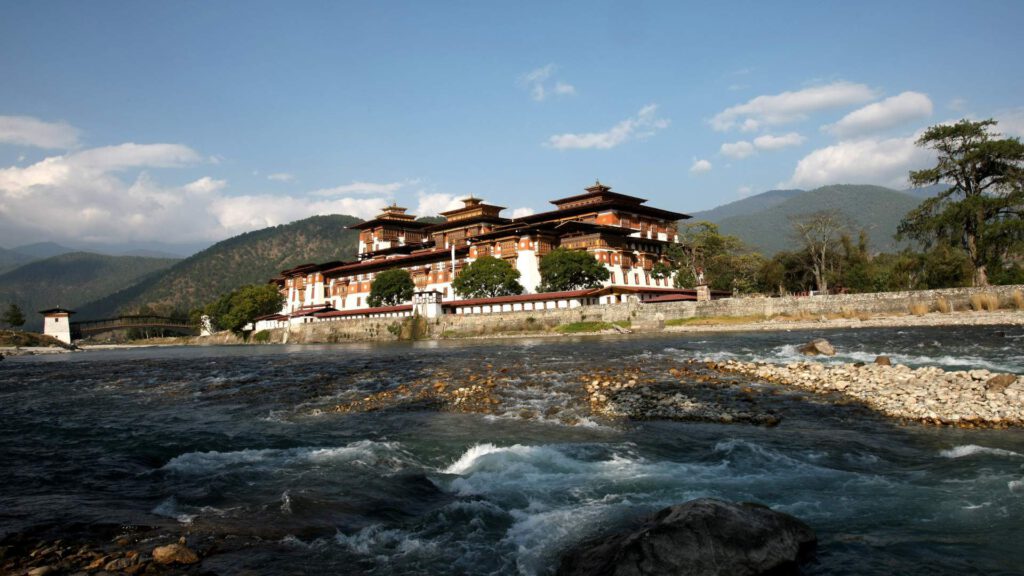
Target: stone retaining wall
<point>872,303</point>
<point>642,317</point>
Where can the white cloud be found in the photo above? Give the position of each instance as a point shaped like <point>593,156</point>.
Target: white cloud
<point>643,125</point>
<point>522,212</point>
<point>737,150</point>
<point>894,111</point>
<point>86,196</point>
<point>432,204</point>
<point>770,142</point>
<point>957,104</point>
<point>700,166</point>
<point>564,88</point>
<point>867,161</point>
<point>537,82</point>
<point>237,214</point>
<point>750,125</point>
<point>81,196</point>
<point>29,131</point>
<point>383,189</point>
<point>205,185</point>
<point>791,106</point>
<point>281,177</point>
<point>1011,122</point>
<point>744,191</point>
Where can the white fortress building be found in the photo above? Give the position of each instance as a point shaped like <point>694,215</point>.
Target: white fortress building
<point>620,231</point>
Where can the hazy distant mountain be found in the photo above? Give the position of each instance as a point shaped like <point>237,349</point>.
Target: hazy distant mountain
<point>41,250</point>
<point>927,191</point>
<point>10,259</point>
<point>749,205</point>
<point>150,254</point>
<point>70,280</point>
<point>873,208</point>
<point>253,257</point>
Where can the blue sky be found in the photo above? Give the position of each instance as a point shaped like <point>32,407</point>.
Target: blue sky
<point>194,121</point>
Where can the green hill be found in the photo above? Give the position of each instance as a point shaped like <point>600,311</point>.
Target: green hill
<point>245,259</point>
<point>41,250</point>
<point>9,260</point>
<point>749,205</point>
<point>71,280</point>
<point>873,208</point>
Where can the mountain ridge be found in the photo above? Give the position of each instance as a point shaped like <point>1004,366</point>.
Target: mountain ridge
<point>248,258</point>
<point>876,209</point>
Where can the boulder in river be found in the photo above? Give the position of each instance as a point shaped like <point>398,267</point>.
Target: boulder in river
<point>174,554</point>
<point>1000,382</point>
<point>883,361</point>
<point>818,346</point>
<point>699,538</point>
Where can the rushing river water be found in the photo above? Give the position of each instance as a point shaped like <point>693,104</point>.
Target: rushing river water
<point>240,442</point>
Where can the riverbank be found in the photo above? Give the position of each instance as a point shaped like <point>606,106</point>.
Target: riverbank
<point>745,324</point>
<point>721,392</point>
<point>245,452</point>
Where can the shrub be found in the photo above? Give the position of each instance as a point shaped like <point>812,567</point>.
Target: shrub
<point>1018,299</point>
<point>943,305</point>
<point>261,337</point>
<point>391,288</point>
<point>487,277</point>
<point>918,308</point>
<point>986,301</point>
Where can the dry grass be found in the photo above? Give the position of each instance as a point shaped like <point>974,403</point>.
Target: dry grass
<point>801,316</point>
<point>918,308</point>
<point>849,313</point>
<point>943,305</point>
<point>1018,299</point>
<point>986,301</point>
<point>713,320</point>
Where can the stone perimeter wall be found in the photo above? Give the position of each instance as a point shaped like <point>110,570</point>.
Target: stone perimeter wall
<point>642,317</point>
<point>871,303</point>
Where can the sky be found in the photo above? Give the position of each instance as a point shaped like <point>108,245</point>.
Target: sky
<point>190,122</point>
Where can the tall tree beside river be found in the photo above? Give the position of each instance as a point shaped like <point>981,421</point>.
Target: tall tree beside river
<point>983,210</point>
<point>234,310</point>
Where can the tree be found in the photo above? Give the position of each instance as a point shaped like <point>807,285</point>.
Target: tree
<point>234,310</point>
<point>391,288</point>
<point>818,232</point>
<point>487,277</point>
<point>563,269</point>
<point>14,317</point>
<point>699,244</point>
<point>983,210</point>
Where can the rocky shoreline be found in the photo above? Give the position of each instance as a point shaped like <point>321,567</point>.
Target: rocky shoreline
<point>129,550</point>
<point>929,395</point>
<point>723,392</point>
<point>964,318</point>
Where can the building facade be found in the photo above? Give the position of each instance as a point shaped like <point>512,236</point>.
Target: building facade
<point>619,230</point>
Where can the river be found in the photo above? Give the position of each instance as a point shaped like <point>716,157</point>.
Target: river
<point>240,442</point>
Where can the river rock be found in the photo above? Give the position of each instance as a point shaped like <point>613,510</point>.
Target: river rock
<point>883,361</point>
<point>1000,382</point>
<point>699,538</point>
<point>174,554</point>
<point>818,346</point>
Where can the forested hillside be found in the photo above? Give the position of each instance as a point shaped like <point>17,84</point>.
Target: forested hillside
<point>71,280</point>
<point>749,205</point>
<point>249,258</point>
<point>875,209</point>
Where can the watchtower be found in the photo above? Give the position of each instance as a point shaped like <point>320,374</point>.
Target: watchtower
<point>57,323</point>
